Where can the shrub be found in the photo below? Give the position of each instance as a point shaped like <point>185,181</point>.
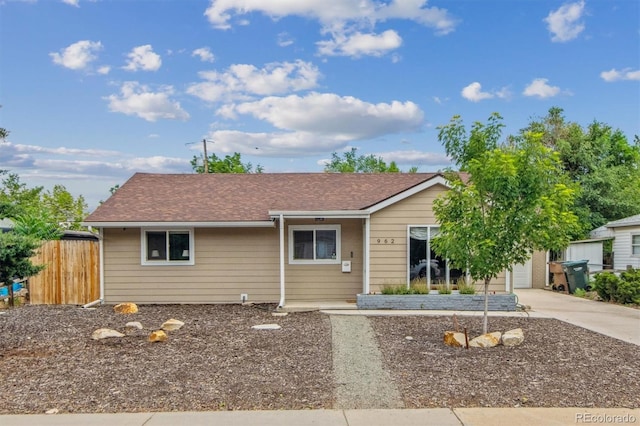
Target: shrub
<point>628,290</point>
<point>443,288</point>
<point>580,292</point>
<point>466,288</point>
<point>624,289</point>
<point>606,284</point>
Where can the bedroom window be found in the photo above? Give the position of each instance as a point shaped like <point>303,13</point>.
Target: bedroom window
<point>310,244</point>
<point>167,247</point>
<point>635,245</point>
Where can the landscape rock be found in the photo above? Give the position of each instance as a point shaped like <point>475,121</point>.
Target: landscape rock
<point>126,308</point>
<point>513,337</point>
<point>455,339</point>
<point>279,314</point>
<point>488,340</point>
<point>52,411</point>
<point>105,333</point>
<point>134,324</point>
<point>408,337</point>
<point>158,336</point>
<point>172,325</point>
<point>266,327</point>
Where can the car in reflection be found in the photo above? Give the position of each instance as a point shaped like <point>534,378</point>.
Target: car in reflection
<point>420,270</point>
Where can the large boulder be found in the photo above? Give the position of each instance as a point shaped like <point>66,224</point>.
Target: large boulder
<point>513,337</point>
<point>452,338</point>
<point>488,340</point>
<point>105,333</point>
<point>126,308</point>
<point>172,325</point>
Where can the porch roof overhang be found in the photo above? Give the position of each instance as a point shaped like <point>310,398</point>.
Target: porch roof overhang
<point>319,214</point>
<point>225,224</point>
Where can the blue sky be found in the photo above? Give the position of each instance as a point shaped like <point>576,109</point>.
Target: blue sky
<point>96,90</point>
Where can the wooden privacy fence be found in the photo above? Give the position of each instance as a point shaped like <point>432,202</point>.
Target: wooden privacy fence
<point>72,274</point>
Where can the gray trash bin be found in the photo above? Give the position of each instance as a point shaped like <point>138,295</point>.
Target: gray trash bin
<point>577,274</point>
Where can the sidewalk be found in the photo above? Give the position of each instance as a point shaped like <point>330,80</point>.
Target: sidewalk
<point>400,417</point>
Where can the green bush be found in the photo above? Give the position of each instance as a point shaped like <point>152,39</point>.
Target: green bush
<point>580,292</point>
<point>464,288</point>
<point>606,284</point>
<point>629,287</point>
<point>443,288</point>
<point>624,289</point>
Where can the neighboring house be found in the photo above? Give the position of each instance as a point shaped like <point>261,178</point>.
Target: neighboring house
<point>216,238</point>
<point>626,242</point>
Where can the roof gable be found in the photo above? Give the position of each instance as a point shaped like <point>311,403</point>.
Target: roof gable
<point>247,197</point>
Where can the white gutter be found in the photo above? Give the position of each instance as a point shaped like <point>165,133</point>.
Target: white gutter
<point>507,279</point>
<point>281,304</point>
<point>101,256</point>
<point>234,224</point>
<point>306,214</point>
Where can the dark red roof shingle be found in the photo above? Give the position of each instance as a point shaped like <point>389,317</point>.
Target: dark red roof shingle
<point>246,197</point>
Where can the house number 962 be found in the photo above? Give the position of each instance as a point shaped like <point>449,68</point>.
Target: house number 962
<point>385,240</point>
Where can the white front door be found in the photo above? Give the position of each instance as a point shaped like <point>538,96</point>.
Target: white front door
<point>522,275</point>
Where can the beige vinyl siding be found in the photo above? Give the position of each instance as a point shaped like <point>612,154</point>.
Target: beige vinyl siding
<point>327,282</point>
<point>228,262</point>
<point>388,239</point>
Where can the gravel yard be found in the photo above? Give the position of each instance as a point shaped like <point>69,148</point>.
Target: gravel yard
<point>558,365</point>
<point>217,362</point>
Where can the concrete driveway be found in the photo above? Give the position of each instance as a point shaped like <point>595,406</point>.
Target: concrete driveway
<point>611,320</point>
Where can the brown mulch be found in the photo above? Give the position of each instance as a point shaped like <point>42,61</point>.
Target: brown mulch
<point>558,365</point>
<point>217,362</point>
<point>214,362</point>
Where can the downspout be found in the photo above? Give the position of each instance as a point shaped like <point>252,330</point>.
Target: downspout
<point>281,304</point>
<point>101,257</point>
<point>367,254</point>
<point>507,279</point>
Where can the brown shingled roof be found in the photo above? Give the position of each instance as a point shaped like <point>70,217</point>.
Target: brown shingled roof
<point>246,197</point>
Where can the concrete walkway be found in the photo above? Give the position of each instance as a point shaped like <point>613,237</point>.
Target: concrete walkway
<point>616,321</point>
<point>400,417</point>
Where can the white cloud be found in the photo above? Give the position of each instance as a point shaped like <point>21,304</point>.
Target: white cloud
<point>285,39</point>
<point>413,157</point>
<point>104,70</point>
<point>344,118</point>
<point>78,55</point>
<point>276,144</point>
<point>143,58</point>
<point>539,88</point>
<point>624,74</point>
<point>359,44</point>
<point>136,99</point>
<point>343,19</point>
<point>241,81</point>
<point>75,3</point>
<point>328,12</point>
<point>474,93</point>
<point>204,53</point>
<point>565,23</point>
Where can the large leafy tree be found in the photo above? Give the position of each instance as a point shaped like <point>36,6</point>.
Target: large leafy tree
<point>601,161</point>
<point>514,200</point>
<point>351,162</point>
<point>228,164</point>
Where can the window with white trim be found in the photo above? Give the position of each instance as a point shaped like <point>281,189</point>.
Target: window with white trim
<point>167,247</point>
<point>311,244</point>
<point>424,263</point>
<point>635,245</point>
